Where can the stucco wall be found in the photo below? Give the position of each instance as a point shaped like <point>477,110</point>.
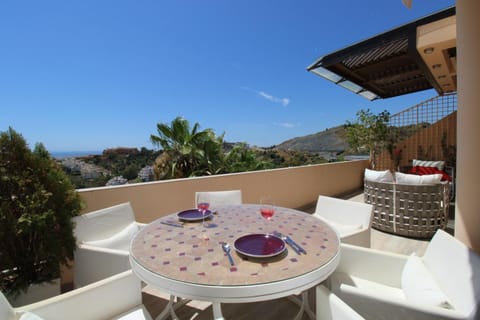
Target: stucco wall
<point>295,187</point>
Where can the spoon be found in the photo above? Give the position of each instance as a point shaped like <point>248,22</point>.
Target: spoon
<point>227,249</point>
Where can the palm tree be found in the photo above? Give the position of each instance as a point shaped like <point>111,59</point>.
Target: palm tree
<point>187,152</point>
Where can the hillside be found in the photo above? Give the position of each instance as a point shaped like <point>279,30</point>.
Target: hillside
<point>123,165</point>
<point>330,140</point>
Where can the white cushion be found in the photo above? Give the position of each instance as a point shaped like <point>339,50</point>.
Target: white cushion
<point>421,163</point>
<point>378,176</point>
<point>30,316</point>
<point>420,287</point>
<point>119,241</point>
<point>405,178</point>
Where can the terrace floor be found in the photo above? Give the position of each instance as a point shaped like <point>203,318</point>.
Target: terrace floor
<point>280,308</point>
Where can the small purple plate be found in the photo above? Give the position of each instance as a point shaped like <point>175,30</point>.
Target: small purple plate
<point>259,245</point>
<point>193,215</point>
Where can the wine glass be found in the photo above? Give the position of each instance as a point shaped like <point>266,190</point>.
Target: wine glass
<point>203,204</point>
<point>266,208</point>
<point>203,207</point>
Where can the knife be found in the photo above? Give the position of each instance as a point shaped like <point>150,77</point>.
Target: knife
<point>289,241</point>
<point>298,247</point>
<point>173,224</point>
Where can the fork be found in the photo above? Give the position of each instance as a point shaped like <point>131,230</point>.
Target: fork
<point>227,249</point>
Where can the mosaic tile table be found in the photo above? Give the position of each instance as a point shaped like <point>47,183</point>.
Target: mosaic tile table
<point>189,262</point>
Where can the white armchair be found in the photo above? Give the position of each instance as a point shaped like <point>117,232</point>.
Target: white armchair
<point>218,198</point>
<point>330,307</point>
<point>443,284</point>
<point>351,220</point>
<point>103,239</point>
<point>117,297</point>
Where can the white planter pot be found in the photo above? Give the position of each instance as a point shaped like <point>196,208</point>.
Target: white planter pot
<point>35,293</point>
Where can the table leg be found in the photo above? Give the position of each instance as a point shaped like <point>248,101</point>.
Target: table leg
<point>171,307</point>
<point>217,311</point>
<point>304,305</point>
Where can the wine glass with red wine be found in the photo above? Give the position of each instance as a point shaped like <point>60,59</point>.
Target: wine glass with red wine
<point>267,209</point>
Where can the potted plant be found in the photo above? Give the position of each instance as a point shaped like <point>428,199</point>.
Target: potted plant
<point>37,202</point>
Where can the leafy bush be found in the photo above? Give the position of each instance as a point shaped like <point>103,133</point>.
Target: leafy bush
<point>368,133</point>
<point>37,202</point>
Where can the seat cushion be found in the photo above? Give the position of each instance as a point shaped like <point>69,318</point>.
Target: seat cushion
<point>378,176</point>
<point>120,240</point>
<point>423,163</point>
<point>419,286</point>
<point>405,178</point>
<point>429,170</point>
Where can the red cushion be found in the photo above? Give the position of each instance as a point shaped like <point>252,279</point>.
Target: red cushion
<point>418,170</point>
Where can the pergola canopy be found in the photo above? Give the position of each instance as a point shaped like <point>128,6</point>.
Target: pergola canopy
<point>390,64</point>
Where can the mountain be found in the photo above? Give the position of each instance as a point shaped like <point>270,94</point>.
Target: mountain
<point>329,140</point>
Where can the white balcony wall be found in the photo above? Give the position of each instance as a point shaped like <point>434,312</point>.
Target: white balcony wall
<point>295,187</point>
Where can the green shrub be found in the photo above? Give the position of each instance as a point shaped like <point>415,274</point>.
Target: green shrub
<point>37,202</point>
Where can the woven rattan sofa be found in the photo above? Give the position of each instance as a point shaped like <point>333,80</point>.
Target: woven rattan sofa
<point>408,210</point>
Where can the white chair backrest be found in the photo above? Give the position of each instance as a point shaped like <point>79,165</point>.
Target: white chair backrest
<point>103,223</point>
<point>103,299</point>
<point>218,198</point>
<point>6,310</point>
<point>456,269</point>
<point>344,211</point>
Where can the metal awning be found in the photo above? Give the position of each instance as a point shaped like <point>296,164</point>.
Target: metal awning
<point>384,66</point>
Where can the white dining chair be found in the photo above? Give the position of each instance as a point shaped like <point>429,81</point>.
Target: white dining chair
<point>330,307</point>
<point>442,284</point>
<point>352,220</point>
<point>116,297</point>
<point>218,198</point>
<point>103,239</point>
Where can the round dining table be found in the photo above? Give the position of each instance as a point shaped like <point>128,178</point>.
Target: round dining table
<point>186,258</point>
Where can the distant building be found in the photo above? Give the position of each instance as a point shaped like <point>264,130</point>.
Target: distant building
<point>116,181</point>
<point>121,150</point>
<point>86,170</point>
<point>357,157</point>
<point>146,174</point>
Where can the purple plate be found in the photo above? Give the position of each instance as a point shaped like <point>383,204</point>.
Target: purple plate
<point>259,245</point>
<point>193,215</point>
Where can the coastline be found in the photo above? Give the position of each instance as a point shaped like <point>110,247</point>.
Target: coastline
<point>73,154</point>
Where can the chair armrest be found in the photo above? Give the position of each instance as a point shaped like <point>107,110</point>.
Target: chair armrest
<point>94,263</point>
<point>378,306</point>
<point>370,264</point>
<point>100,300</point>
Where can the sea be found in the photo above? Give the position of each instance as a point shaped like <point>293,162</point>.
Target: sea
<point>72,154</point>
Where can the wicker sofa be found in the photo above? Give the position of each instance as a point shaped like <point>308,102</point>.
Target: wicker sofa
<point>409,210</point>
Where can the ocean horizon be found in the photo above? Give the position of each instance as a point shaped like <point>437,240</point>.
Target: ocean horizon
<point>70,154</point>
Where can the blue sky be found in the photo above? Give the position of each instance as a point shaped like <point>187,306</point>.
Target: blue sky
<point>96,74</point>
